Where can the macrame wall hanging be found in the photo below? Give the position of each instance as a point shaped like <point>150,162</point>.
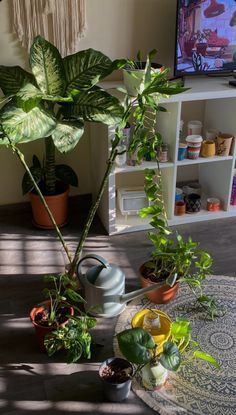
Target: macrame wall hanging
<point>62,22</point>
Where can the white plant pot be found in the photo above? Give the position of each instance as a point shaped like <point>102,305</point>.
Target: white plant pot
<point>153,376</point>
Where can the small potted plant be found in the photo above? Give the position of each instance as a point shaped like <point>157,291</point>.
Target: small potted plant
<point>138,346</point>
<point>116,376</point>
<point>57,309</point>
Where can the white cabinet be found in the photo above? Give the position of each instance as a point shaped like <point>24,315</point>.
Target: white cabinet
<point>210,100</point>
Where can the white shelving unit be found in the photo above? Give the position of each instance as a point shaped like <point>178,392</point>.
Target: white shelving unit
<point>210,100</point>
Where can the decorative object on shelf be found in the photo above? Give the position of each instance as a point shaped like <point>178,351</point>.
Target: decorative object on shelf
<point>180,208</point>
<point>213,204</point>
<point>116,376</point>
<point>192,187</point>
<point>178,194</point>
<point>193,203</point>
<point>163,153</point>
<point>212,133</point>
<point>182,151</point>
<point>121,157</point>
<point>223,144</point>
<point>104,287</point>
<point>233,192</point>
<point>181,127</point>
<point>194,127</point>
<point>62,23</point>
<point>194,142</point>
<point>208,148</point>
<point>131,200</point>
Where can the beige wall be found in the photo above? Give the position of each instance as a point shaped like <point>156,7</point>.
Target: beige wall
<point>116,27</point>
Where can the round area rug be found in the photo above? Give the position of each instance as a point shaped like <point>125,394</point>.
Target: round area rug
<point>197,388</point>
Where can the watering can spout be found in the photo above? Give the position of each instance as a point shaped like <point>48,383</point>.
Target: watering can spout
<point>171,280</point>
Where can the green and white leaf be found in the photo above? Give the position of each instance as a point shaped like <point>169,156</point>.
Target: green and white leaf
<point>85,68</point>
<point>22,127</point>
<point>67,135</point>
<point>12,78</point>
<point>28,97</point>
<point>47,67</point>
<point>99,106</point>
<point>27,184</point>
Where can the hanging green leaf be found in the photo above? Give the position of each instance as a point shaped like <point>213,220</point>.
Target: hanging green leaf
<point>85,69</point>
<point>47,67</point>
<point>13,78</point>
<point>67,135</point>
<point>23,126</point>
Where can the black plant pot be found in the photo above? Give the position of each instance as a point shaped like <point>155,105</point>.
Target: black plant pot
<point>115,380</point>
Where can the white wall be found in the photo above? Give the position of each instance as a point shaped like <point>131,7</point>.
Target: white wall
<point>118,28</point>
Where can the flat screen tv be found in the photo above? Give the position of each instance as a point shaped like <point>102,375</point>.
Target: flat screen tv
<point>205,37</point>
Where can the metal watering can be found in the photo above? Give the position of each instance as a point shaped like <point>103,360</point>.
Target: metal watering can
<point>104,286</point>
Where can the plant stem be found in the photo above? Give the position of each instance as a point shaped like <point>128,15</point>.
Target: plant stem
<point>50,174</point>
<point>93,211</point>
<point>21,157</point>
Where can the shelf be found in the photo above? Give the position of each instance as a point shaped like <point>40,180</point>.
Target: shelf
<point>142,167</point>
<point>200,160</point>
<point>203,215</point>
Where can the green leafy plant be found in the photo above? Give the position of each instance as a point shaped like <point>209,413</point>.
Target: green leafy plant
<point>171,254</point>
<point>138,346</point>
<point>74,337</point>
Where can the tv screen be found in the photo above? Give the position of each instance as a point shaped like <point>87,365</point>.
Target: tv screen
<point>205,37</point>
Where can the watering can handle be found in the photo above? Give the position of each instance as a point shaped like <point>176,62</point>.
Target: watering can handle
<point>100,259</point>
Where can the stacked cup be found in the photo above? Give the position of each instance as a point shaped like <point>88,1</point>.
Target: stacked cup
<point>194,142</point>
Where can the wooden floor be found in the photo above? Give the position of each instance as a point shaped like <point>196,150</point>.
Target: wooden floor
<point>32,383</point>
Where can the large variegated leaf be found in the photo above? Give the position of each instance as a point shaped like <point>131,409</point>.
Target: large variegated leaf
<point>12,78</point>
<point>97,105</point>
<point>47,67</point>
<point>28,97</point>
<point>85,68</point>
<point>3,139</point>
<point>23,126</point>
<point>66,135</point>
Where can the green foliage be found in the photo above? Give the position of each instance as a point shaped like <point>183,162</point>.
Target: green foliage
<point>74,337</point>
<point>135,344</point>
<point>54,101</point>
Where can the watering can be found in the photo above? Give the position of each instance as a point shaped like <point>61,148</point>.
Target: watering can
<point>104,286</point>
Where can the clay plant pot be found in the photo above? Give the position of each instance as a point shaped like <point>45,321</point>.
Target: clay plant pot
<point>42,330</point>
<point>180,207</point>
<point>160,295</point>
<point>115,380</point>
<point>58,205</point>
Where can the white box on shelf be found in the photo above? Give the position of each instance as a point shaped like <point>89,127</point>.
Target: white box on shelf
<point>131,200</point>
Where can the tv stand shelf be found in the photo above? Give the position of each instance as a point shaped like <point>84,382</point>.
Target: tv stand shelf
<point>210,100</point>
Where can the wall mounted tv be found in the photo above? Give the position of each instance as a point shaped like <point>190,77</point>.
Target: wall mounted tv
<point>205,37</point>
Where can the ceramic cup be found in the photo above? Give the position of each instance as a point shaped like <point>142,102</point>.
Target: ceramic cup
<point>193,152</point>
<point>194,127</point>
<point>212,133</point>
<point>193,203</point>
<point>182,151</point>
<point>193,140</point>
<point>208,148</point>
<point>178,194</point>
<point>180,208</point>
<point>193,187</point>
<point>223,144</point>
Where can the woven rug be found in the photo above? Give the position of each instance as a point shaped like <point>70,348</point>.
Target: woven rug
<point>197,388</point>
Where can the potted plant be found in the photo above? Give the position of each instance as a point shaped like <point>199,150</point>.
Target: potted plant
<point>57,309</point>
<point>134,73</point>
<point>138,346</point>
<point>116,376</point>
<point>171,254</point>
<point>53,102</point>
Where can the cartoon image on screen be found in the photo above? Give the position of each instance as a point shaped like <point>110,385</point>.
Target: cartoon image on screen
<point>206,36</point>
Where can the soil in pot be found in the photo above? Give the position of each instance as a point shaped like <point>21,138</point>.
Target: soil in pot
<point>160,295</point>
<point>38,316</point>
<point>115,374</point>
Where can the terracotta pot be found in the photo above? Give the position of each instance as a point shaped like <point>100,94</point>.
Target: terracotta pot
<point>42,331</point>
<point>180,208</point>
<point>58,205</point>
<point>161,295</point>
